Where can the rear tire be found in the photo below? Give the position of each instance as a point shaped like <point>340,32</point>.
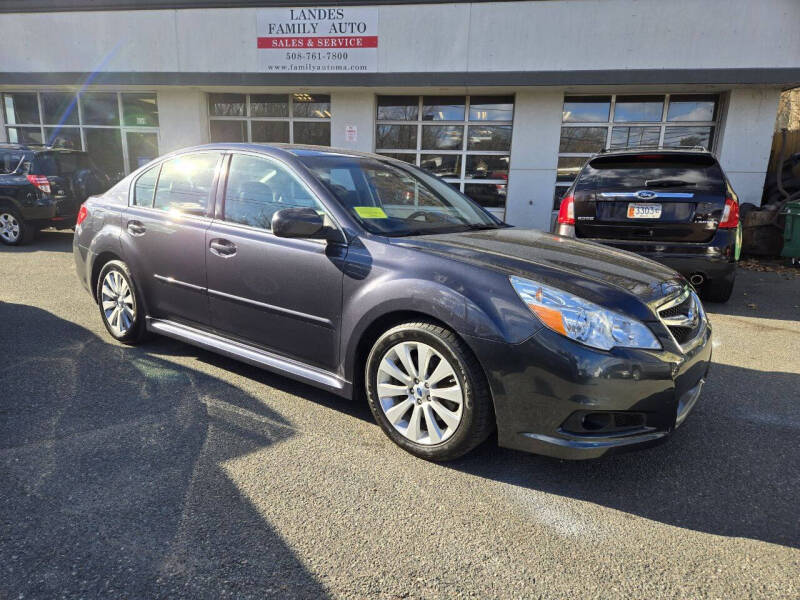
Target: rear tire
<point>14,230</point>
<point>719,290</point>
<point>428,392</point>
<point>120,303</point>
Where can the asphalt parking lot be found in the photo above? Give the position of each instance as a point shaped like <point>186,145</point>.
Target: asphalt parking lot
<point>167,471</point>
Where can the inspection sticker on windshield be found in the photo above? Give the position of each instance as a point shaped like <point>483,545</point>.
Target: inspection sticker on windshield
<point>370,212</point>
<point>644,211</point>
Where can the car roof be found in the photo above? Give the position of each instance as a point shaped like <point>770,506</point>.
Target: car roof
<point>655,150</point>
<point>297,150</point>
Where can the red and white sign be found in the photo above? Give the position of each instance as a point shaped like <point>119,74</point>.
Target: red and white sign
<point>350,133</point>
<point>318,39</point>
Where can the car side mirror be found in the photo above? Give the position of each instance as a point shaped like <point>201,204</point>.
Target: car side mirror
<point>297,223</point>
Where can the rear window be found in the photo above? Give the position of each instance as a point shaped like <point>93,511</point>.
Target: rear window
<point>9,160</point>
<point>61,163</point>
<point>654,171</point>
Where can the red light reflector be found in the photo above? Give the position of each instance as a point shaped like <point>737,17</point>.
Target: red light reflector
<point>82,214</point>
<point>730,214</point>
<point>41,182</point>
<point>566,212</point>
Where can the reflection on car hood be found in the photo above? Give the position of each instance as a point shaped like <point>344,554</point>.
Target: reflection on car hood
<point>573,264</point>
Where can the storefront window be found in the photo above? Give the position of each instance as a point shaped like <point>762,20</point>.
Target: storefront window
<point>466,140</point>
<point>270,118</point>
<point>119,130</point>
<point>593,123</point>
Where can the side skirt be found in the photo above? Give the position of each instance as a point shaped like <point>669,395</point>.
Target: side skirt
<point>252,355</point>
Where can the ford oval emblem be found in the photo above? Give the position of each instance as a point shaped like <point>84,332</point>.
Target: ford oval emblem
<point>646,195</point>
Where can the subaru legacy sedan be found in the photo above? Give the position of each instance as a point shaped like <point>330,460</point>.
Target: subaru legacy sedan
<point>374,279</point>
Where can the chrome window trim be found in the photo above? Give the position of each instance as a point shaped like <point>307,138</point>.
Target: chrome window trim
<point>656,196</point>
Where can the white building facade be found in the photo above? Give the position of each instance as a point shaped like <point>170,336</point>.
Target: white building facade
<point>505,100</point>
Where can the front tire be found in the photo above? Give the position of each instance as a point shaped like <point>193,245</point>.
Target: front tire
<point>428,392</point>
<point>14,230</point>
<point>120,303</point>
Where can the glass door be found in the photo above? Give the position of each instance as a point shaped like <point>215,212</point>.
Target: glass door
<point>142,147</point>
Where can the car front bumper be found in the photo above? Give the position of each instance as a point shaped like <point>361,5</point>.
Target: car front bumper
<point>551,393</point>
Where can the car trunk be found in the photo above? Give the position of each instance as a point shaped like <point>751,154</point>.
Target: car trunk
<point>72,179</point>
<point>669,197</point>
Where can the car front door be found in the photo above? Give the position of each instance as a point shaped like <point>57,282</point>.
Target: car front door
<point>164,235</point>
<point>281,294</point>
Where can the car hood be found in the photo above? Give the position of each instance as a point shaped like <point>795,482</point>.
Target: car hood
<point>584,268</point>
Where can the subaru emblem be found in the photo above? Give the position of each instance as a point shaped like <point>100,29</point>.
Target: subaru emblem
<point>646,195</point>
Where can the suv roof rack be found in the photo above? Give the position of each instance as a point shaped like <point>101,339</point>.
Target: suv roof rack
<point>695,148</point>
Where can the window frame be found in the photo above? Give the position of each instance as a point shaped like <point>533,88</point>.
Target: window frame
<point>222,190</point>
<point>210,211</point>
<point>463,152</point>
<point>80,126</point>
<point>663,124</point>
<point>249,119</point>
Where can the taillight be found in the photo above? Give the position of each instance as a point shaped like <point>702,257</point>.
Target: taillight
<point>730,214</point>
<point>41,182</point>
<point>82,214</point>
<point>566,212</point>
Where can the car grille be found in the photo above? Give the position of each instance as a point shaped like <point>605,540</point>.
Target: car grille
<point>683,316</point>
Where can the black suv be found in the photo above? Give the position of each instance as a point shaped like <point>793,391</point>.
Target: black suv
<point>674,206</point>
<point>43,187</point>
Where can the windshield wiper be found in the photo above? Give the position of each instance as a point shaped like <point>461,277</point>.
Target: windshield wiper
<point>668,183</point>
<point>480,227</point>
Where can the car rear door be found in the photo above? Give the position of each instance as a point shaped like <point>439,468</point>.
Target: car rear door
<point>164,235</point>
<point>660,197</point>
<point>284,295</point>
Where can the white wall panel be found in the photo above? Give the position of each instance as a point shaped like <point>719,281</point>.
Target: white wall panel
<point>353,109</point>
<point>747,139</point>
<point>183,119</point>
<point>505,36</point>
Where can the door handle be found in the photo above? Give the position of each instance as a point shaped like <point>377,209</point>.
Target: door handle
<point>223,248</point>
<point>136,228</point>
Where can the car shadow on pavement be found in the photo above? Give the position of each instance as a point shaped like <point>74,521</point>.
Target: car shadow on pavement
<point>730,470</point>
<point>49,240</point>
<point>763,295</point>
<point>358,410</point>
<point>110,476</point>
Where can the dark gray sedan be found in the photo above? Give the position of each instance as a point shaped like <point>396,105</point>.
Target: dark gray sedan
<point>369,277</point>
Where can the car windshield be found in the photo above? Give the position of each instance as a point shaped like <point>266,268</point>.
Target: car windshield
<point>396,200</point>
<point>700,172</point>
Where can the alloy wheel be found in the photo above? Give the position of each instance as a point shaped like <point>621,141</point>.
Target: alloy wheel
<point>419,393</point>
<point>9,227</point>
<point>118,304</point>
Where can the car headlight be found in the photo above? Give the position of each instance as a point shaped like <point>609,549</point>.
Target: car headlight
<point>581,320</point>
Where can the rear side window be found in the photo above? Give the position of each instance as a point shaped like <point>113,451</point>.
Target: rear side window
<point>145,188</point>
<point>61,163</point>
<point>9,160</point>
<point>185,182</point>
<point>698,172</point>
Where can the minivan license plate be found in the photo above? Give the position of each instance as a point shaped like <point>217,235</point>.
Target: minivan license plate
<point>644,211</point>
